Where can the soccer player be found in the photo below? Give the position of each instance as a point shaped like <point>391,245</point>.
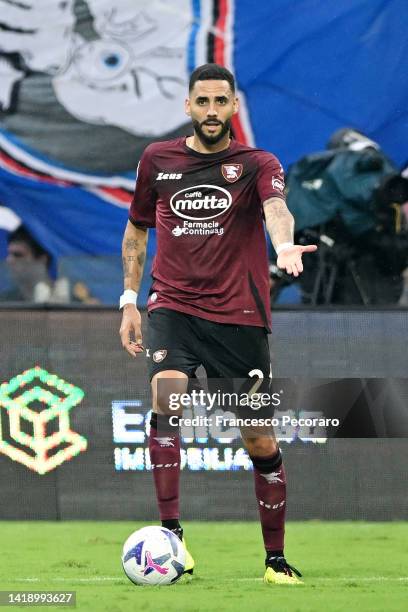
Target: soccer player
<point>208,197</point>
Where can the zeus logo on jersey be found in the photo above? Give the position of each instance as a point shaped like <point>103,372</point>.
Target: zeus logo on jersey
<point>201,202</point>
<point>166,176</point>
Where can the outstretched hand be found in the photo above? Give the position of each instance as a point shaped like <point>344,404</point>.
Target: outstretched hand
<point>290,259</point>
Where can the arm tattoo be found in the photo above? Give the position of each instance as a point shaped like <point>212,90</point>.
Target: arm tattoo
<point>133,256</point>
<point>130,244</point>
<point>279,221</point>
<point>278,206</point>
<point>126,271</point>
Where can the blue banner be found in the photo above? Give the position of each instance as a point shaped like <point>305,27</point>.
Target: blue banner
<point>85,87</point>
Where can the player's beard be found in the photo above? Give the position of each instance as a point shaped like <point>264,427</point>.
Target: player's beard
<point>211,139</point>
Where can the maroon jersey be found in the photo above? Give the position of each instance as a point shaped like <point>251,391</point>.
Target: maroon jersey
<point>211,258</point>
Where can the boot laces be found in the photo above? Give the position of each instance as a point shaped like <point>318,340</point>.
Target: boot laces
<point>279,564</point>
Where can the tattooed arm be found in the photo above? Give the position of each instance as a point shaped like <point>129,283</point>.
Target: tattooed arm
<point>133,256</point>
<point>281,225</point>
<point>279,221</point>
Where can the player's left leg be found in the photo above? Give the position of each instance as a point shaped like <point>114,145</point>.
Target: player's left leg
<point>270,491</point>
<point>236,353</point>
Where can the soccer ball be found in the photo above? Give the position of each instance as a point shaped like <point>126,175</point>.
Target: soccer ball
<point>153,556</point>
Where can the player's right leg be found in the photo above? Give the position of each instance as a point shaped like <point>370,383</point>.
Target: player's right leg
<point>171,362</point>
<point>164,448</point>
<point>164,445</point>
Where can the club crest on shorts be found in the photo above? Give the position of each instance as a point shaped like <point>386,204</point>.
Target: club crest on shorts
<point>158,356</point>
<point>231,172</point>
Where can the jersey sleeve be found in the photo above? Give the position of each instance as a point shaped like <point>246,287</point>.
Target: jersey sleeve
<point>270,178</point>
<point>142,211</point>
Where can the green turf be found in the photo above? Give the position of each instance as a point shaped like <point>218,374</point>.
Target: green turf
<point>346,566</point>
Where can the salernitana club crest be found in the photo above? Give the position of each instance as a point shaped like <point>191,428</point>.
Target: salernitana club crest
<point>231,172</point>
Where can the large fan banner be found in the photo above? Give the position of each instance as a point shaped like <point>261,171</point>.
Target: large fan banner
<point>85,85</point>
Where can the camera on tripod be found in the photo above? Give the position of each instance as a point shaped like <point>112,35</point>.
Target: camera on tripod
<point>348,199</point>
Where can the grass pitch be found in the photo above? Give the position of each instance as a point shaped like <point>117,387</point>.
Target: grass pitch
<point>346,567</point>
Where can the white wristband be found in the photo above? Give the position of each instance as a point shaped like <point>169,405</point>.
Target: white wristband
<point>283,247</point>
<point>128,297</point>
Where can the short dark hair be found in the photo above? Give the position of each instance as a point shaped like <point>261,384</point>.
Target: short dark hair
<point>208,72</point>
<point>21,234</point>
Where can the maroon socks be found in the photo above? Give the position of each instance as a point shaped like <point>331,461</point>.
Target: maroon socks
<point>269,475</point>
<point>270,491</point>
<point>164,447</point>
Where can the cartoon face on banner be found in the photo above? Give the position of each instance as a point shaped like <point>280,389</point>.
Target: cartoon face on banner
<point>87,84</point>
<point>130,73</point>
<point>43,45</point>
<point>135,75</point>
<point>41,32</point>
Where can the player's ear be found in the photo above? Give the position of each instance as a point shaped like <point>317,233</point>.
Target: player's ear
<point>235,106</point>
<point>187,106</point>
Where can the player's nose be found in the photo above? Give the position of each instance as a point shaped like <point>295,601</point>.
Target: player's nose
<point>212,111</point>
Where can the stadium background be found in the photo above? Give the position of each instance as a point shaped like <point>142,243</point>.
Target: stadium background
<point>67,172</point>
<point>82,347</point>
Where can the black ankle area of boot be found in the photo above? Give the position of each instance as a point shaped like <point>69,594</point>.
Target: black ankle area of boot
<point>271,554</point>
<point>171,524</point>
<point>174,526</point>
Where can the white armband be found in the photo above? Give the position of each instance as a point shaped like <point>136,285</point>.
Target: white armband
<point>128,297</point>
<point>283,247</point>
